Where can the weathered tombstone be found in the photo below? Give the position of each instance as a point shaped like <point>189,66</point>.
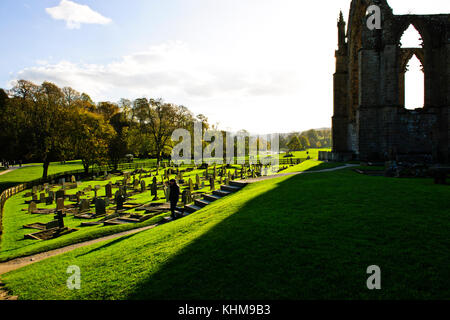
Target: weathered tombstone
<point>34,190</point>
<point>72,179</point>
<point>32,207</point>
<point>60,194</point>
<point>60,218</point>
<point>108,190</point>
<point>215,172</point>
<point>96,188</point>
<point>212,184</point>
<point>136,184</point>
<point>60,204</point>
<point>84,205</point>
<point>142,185</point>
<point>154,191</point>
<point>191,185</point>
<point>197,179</point>
<point>48,201</point>
<point>167,192</point>
<point>51,194</point>
<point>120,199</point>
<point>220,180</point>
<point>35,197</point>
<point>203,184</point>
<point>42,197</point>
<point>186,197</point>
<point>100,207</point>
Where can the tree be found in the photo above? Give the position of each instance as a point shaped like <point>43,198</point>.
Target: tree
<point>118,146</point>
<point>294,144</point>
<point>107,109</point>
<point>91,134</point>
<point>304,142</point>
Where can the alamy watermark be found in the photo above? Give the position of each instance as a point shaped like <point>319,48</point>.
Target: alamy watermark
<point>374,19</point>
<point>74,281</point>
<point>218,147</point>
<point>374,281</point>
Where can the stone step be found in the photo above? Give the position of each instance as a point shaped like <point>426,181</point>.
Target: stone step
<point>238,184</point>
<point>230,188</point>
<point>191,208</point>
<point>201,203</point>
<point>221,193</point>
<point>211,197</point>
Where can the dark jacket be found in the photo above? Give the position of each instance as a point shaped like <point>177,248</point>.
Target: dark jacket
<point>174,192</point>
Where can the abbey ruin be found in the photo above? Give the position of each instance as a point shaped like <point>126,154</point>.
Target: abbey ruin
<point>370,121</point>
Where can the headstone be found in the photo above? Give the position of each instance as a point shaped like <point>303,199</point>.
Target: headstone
<point>34,190</point>
<point>215,172</point>
<point>108,190</point>
<point>186,197</point>
<point>197,179</point>
<point>203,184</point>
<point>35,197</point>
<point>167,192</point>
<point>42,197</point>
<point>120,199</point>
<point>51,194</point>
<point>60,194</point>
<point>72,179</point>
<point>212,184</point>
<point>32,207</point>
<point>142,185</point>
<point>100,207</point>
<point>60,204</point>
<point>84,205</point>
<point>48,201</point>
<point>60,218</point>
<point>191,185</point>
<point>154,191</point>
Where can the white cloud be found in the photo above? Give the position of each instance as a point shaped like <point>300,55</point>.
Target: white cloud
<point>170,70</point>
<point>76,14</point>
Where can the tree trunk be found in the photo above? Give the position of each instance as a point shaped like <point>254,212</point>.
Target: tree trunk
<point>46,165</point>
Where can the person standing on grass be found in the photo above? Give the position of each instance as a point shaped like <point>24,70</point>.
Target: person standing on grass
<point>174,196</point>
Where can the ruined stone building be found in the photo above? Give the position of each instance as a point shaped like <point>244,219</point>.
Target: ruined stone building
<point>370,121</point>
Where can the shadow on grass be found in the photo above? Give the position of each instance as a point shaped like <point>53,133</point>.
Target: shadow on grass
<point>111,243</point>
<point>313,237</point>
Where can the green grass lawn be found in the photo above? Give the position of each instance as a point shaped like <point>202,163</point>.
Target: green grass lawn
<point>34,172</point>
<point>313,165</point>
<point>14,245</point>
<point>299,237</point>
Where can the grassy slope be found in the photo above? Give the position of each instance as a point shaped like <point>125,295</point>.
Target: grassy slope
<point>14,245</point>
<point>300,237</point>
<point>34,172</point>
<point>312,165</point>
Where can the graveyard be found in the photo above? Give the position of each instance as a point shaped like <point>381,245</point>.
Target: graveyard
<point>107,204</point>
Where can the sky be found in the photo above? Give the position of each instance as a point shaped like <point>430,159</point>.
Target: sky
<point>260,65</point>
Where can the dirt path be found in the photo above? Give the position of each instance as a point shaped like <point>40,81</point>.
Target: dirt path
<point>24,261</point>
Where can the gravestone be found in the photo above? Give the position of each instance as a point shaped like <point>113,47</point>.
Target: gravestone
<point>51,194</point>
<point>73,180</point>
<point>60,204</point>
<point>108,190</point>
<point>142,185</point>
<point>48,201</point>
<point>203,184</point>
<point>212,184</point>
<point>154,191</point>
<point>215,172</point>
<point>32,207</point>
<point>136,184</point>
<point>186,197</point>
<point>35,197</point>
<point>100,207</point>
<point>60,194</point>
<point>84,205</point>
<point>120,199</point>
<point>197,179</point>
<point>34,190</point>
<point>167,192</point>
<point>60,218</point>
<point>191,186</point>
<point>42,197</point>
